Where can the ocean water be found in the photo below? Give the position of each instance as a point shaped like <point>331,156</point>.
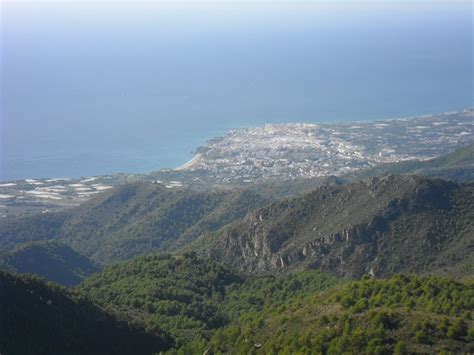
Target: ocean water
<point>96,88</point>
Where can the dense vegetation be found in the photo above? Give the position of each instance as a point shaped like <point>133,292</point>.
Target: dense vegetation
<point>257,293</point>
<point>52,260</point>
<point>191,297</point>
<point>179,294</point>
<point>36,318</point>
<point>401,315</point>
<point>208,308</point>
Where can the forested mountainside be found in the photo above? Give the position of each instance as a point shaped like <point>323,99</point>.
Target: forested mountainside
<point>458,165</point>
<point>380,226</point>
<point>133,219</point>
<point>179,294</point>
<point>206,307</point>
<point>191,297</point>
<point>51,260</point>
<point>404,314</point>
<point>39,318</point>
<point>209,308</point>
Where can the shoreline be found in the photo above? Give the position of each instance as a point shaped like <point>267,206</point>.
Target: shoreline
<point>189,163</point>
<point>198,156</point>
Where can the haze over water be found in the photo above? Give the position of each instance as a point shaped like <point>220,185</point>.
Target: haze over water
<point>92,88</point>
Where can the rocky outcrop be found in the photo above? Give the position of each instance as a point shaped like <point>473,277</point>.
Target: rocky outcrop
<point>379,227</point>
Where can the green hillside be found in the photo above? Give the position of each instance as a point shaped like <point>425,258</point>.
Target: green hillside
<point>178,294</point>
<point>380,226</point>
<point>400,315</point>
<point>133,219</point>
<point>191,297</point>
<point>210,309</point>
<point>15,231</point>
<point>51,260</point>
<point>139,218</point>
<point>39,318</point>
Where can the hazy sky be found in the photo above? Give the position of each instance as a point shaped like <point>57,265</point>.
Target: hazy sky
<point>131,86</point>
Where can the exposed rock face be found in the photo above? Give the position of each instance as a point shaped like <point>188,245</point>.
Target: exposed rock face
<point>379,226</point>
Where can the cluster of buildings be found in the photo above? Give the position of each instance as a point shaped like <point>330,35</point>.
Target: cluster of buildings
<point>312,150</point>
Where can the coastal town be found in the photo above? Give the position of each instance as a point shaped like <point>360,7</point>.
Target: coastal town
<point>286,151</point>
<point>269,152</point>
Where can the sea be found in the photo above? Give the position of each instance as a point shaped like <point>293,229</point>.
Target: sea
<point>93,88</point>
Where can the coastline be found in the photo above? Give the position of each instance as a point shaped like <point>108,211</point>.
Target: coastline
<point>198,156</point>
<point>189,163</point>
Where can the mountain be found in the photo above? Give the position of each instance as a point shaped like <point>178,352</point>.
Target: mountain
<point>209,308</point>
<point>458,165</point>
<point>379,226</point>
<point>188,296</point>
<point>179,294</point>
<point>133,219</point>
<point>51,260</point>
<point>39,318</point>
<point>405,314</point>
<point>139,218</point>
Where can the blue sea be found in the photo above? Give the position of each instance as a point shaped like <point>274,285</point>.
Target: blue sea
<point>104,87</point>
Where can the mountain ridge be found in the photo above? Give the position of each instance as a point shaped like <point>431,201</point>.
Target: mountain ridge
<point>132,219</point>
<point>339,229</point>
